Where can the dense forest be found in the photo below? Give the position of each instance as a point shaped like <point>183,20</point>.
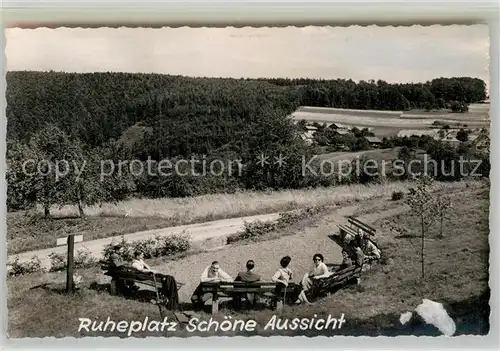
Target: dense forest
<point>150,117</point>
<point>381,95</point>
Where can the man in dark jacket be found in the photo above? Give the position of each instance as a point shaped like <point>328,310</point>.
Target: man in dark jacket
<point>247,276</point>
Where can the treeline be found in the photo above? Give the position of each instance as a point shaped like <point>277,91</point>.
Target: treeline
<point>105,119</point>
<point>97,107</point>
<point>438,93</point>
<point>133,122</point>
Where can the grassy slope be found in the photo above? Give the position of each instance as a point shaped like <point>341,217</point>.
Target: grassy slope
<point>457,274</point>
<point>108,220</point>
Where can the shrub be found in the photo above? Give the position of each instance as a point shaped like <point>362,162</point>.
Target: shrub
<point>256,229</point>
<point>174,244</point>
<point>20,268</point>
<point>252,230</point>
<point>397,195</point>
<point>126,250</point>
<point>288,218</point>
<point>57,261</point>
<point>82,259</point>
<point>154,247</point>
<point>459,106</point>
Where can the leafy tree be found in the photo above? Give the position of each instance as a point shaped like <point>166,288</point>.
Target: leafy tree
<point>387,143</point>
<point>361,144</point>
<point>21,176</point>
<point>458,106</point>
<point>462,135</point>
<point>54,153</point>
<point>405,155</point>
<point>423,204</point>
<point>443,206</point>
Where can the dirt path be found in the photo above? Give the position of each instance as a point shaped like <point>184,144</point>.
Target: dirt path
<point>199,232</point>
<point>211,233</point>
<point>300,247</point>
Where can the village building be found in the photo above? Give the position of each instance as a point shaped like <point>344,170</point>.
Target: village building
<point>374,141</point>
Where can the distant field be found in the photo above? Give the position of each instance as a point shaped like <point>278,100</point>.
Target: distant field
<point>381,157</point>
<point>386,154</point>
<point>389,123</point>
<point>350,112</point>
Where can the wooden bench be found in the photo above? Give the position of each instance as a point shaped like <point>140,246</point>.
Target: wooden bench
<point>346,231</point>
<point>338,279</point>
<point>352,229</point>
<point>122,274</point>
<point>229,289</point>
<point>354,222</point>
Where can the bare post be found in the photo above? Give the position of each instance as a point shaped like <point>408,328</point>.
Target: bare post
<point>69,269</point>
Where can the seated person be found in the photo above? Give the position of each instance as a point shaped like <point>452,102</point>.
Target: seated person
<point>115,261</point>
<point>348,255</point>
<point>169,285</point>
<point>212,273</point>
<point>356,254</point>
<point>284,275</point>
<point>139,264</point>
<point>346,260</point>
<point>248,277</point>
<point>371,251</point>
<point>319,270</point>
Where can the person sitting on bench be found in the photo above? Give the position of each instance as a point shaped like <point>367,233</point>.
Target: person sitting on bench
<point>248,277</point>
<point>115,259</point>
<point>284,276</point>
<point>139,264</point>
<point>371,251</point>
<point>214,274</point>
<point>356,254</point>
<point>169,285</point>
<point>346,260</point>
<point>319,270</point>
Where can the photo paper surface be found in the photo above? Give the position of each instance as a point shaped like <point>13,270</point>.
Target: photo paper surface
<point>275,181</point>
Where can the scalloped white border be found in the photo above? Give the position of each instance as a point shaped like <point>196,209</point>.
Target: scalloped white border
<point>33,14</point>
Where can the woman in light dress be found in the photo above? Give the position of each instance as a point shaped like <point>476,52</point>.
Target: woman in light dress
<point>319,270</point>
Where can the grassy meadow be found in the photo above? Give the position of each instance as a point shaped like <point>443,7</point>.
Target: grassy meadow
<point>456,274</point>
<point>26,233</point>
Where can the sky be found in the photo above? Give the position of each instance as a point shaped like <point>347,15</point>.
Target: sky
<point>394,54</point>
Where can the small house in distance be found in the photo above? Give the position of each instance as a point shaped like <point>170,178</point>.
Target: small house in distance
<point>308,135</point>
<point>374,141</point>
<point>479,141</point>
<point>343,131</point>
<point>451,140</point>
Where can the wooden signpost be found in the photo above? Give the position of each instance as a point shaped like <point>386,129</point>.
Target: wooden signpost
<point>70,241</point>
